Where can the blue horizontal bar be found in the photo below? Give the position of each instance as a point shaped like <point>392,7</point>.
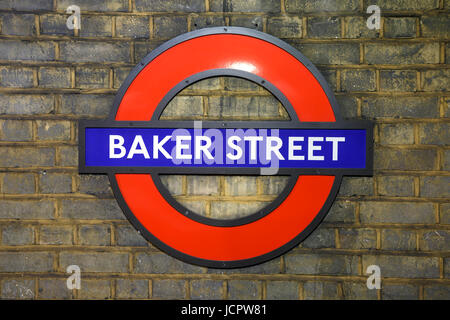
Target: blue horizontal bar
<point>288,148</point>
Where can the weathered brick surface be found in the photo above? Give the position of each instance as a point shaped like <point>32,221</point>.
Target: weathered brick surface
<point>320,290</point>
<point>285,290</point>
<point>18,289</point>
<point>399,292</point>
<point>52,217</point>
<point>244,290</point>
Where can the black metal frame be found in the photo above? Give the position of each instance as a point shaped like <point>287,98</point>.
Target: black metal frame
<point>293,123</point>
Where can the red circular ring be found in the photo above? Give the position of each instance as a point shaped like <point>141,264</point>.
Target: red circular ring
<point>225,51</point>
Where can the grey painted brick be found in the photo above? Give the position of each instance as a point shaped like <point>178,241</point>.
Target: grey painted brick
<point>54,289</point>
<point>89,51</point>
<point>404,266</point>
<point>205,289</point>
<point>406,53</point>
<point>399,292</point>
<point>98,5</point>
<point>202,185</point>
<point>95,26</point>
<point>320,290</point>
<point>320,238</point>
<point>341,212</point>
<point>282,290</point>
<point>435,186</point>
<point>285,27</point>
<point>240,186</point>
<point>169,289</point>
<point>396,212</point>
<point>396,133</point>
<point>170,6</point>
<point>53,130</point>
<point>447,267</point>
<point>27,210</point>
<point>16,77</point>
<point>323,27</point>
<point>18,24</point>
<point>57,235</point>
<point>141,49</point>
<point>13,157</point>
<point>102,209</point>
<point>273,185</point>
<point>253,22</point>
<point>231,210</point>
<point>17,235</point>
<point>348,106</point>
<point>95,261</point>
<point>50,77</point>
<point>321,6</point>
<point>184,107</point>
<point>26,262</point>
<point>200,21</point>
<point>95,235</point>
<point>358,291</point>
<point>356,186</point>
<point>87,104</point>
<point>18,289</point>
<point>27,50</point>
<point>356,27</point>
<point>55,24</point>
<point>408,5</point>
<point>91,78</point>
<point>244,290</point>
<point>131,289</point>
<point>403,27</point>
<point>438,240</point>
<point>95,289</point>
<point>119,76</point>
<point>398,80</point>
<point>162,263</point>
<point>360,238</point>
<point>27,5</point>
<point>55,183</point>
<point>243,107</point>
<point>436,80</point>
<point>133,27</point>
<point>394,239</point>
<point>267,6</point>
<point>199,207</point>
<point>18,183</point>
<point>95,184</point>
<point>330,77</point>
<point>169,27</point>
<point>174,183</point>
<point>446,160</point>
<point>68,156</point>
<point>405,159</point>
<point>445,213</point>
<point>26,104</point>
<point>330,53</point>
<point>358,80</point>
<point>237,84</point>
<point>127,235</point>
<point>208,84</point>
<point>435,26</point>
<point>15,130</point>
<point>327,264</point>
<point>437,292</point>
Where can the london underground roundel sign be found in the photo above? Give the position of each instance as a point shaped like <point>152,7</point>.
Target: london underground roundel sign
<point>316,147</point>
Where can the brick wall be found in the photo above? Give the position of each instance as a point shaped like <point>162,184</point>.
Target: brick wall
<point>51,217</point>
